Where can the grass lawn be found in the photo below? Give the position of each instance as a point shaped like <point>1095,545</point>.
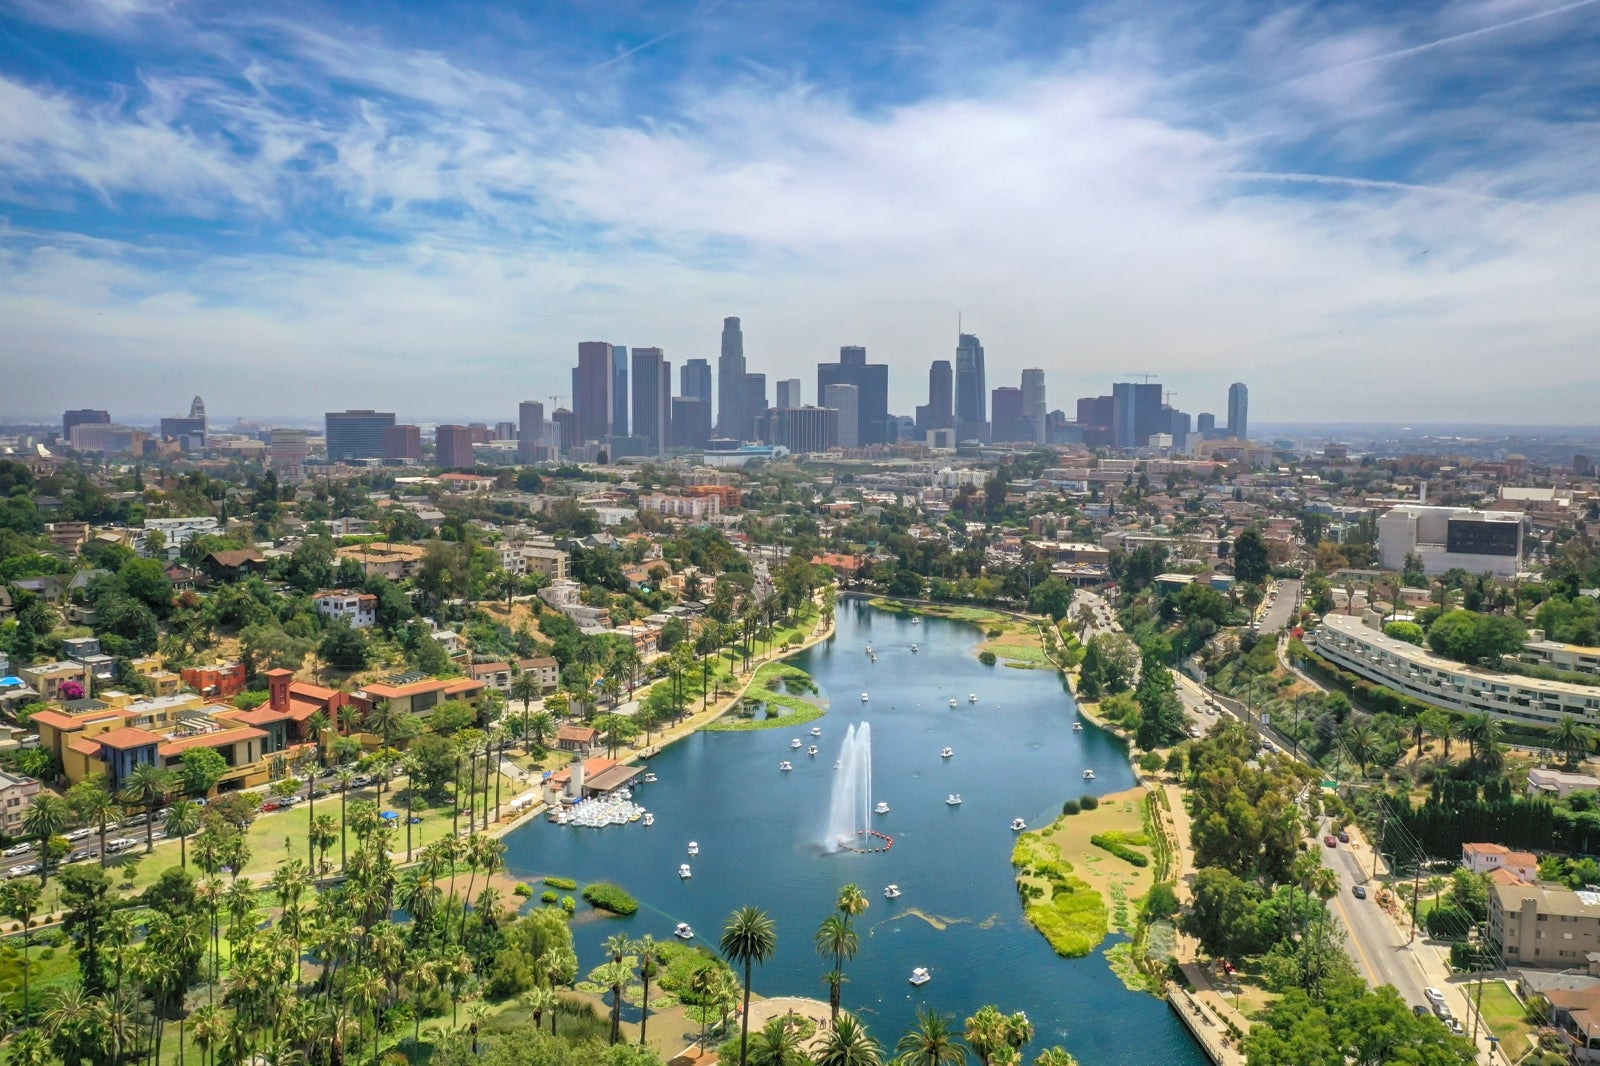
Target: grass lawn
<point>1504,1014</point>
<point>782,708</point>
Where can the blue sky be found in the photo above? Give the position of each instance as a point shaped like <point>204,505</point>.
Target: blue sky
<point>1368,211</point>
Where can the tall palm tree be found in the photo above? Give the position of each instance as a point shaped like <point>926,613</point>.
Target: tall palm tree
<point>989,1033</point>
<point>836,940</point>
<point>48,816</point>
<point>646,947</point>
<point>209,1027</point>
<point>524,689</point>
<point>1571,737</point>
<point>748,937</point>
<point>383,719</point>
<point>1360,741</point>
<point>147,788</point>
<point>19,900</point>
<point>344,775</point>
<point>183,819</point>
<point>1055,1056</point>
<point>93,805</point>
<point>848,1044</point>
<point>931,1042</point>
<point>319,725</point>
<point>778,1044</point>
<point>541,724</point>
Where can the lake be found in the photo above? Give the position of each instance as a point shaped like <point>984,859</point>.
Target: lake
<point>759,830</point>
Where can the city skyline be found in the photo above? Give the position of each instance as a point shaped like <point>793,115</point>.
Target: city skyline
<point>295,209</point>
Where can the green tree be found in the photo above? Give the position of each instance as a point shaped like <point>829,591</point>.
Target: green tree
<point>1052,596</point>
<point>93,806</point>
<point>1161,712</point>
<point>836,940</point>
<point>48,816</point>
<point>1222,914</point>
<point>344,646</point>
<point>182,822</point>
<point>847,1043</point>
<point>147,788</point>
<point>1250,563</point>
<point>19,901</point>
<point>1409,632</point>
<point>932,1041</point>
<point>748,937</point>
<point>146,581</point>
<point>87,906</point>
<point>201,769</point>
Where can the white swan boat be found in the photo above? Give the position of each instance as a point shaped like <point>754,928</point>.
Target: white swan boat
<point>1077,727</point>
<point>972,697</point>
<point>920,976</point>
<point>816,730</point>
<point>863,697</point>
<point>946,753</point>
<point>683,932</point>
<point>1088,775</point>
<point>796,742</point>
<point>684,872</point>
<point>952,702</point>
<point>649,819</point>
<point>694,847</point>
<point>881,808</point>
<point>812,751</point>
<point>892,892</point>
<point>954,799</point>
<point>1018,825</point>
<point>786,766</point>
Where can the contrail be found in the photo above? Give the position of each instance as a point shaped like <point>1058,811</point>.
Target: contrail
<point>704,8</point>
<point>1452,39</point>
<point>1368,183</point>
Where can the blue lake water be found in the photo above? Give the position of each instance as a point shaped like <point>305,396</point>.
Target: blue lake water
<point>759,830</point>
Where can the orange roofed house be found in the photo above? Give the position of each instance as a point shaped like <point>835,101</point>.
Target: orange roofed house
<point>111,739</point>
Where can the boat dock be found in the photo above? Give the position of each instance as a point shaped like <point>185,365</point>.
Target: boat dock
<point>1208,1030</point>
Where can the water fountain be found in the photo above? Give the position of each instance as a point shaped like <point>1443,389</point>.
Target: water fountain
<point>849,825</point>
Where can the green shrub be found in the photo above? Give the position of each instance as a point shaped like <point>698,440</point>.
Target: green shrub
<point>569,904</point>
<point>522,889</point>
<point>1161,901</point>
<point>1119,849</point>
<point>996,632</point>
<point>1150,762</point>
<point>548,898</point>
<point>609,897</point>
<point>1089,803</point>
<point>1070,807</point>
<point>565,884</point>
<point>986,658</point>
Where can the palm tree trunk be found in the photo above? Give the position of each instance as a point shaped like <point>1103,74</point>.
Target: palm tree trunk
<point>644,1004</point>
<point>744,1019</point>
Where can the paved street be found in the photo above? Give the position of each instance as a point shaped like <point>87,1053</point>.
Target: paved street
<point>1277,616</point>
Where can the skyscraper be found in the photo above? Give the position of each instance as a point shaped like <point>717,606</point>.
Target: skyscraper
<point>453,447</point>
<point>1007,420</point>
<point>356,434</point>
<point>691,422</point>
<point>652,399</point>
<point>530,430</point>
<point>971,418</point>
<point>695,380</point>
<point>873,424</point>
<point>731,415</point>
<point>286,452</point>
<point>592,382</point>
<point>619,390</point>
<point>402,444</point>
<point>1135,414</point>
<point>788,393</point>
<point>804,429</point>
<point>846,399</point>
<point>1034,407</point>
<point>755,405</point>
<point>1205,423</point>
<point>1238,411</point>
<point>83,417</point>
<point>939,411</point>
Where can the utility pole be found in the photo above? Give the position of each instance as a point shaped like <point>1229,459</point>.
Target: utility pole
<point>1477,1003</point>
<point>1377,845</point>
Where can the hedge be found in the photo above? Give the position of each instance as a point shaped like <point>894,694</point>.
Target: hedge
<point>609,897</point>
<point>565,884</point>
<point>1120,850</point>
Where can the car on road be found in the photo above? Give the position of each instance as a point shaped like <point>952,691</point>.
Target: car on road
<point>1358,891</point>
<point>360,781</point>
<point>1454,1026</point>
<point>1331,840</point>
<point>1344,838</point>
<point>120,844</point>
<point>24,870</point>
<point>16,849</point>
<point>1420,1011</point>
<point>1442,1011</point>
<point>270,805</point>
<point>1433,995</point>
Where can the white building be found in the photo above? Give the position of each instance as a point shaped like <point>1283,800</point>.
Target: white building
<point>360,609</point>
<point>1422,675</point>
<point>1448,537</point>
<point>176,532</point>
<point>1574,657</point>
<point>681,506</point>
<point>1486,858</point>
<point>1558,784</point>
<point>287,451</point>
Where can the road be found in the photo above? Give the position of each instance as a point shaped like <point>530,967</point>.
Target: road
<point>1278,614</point>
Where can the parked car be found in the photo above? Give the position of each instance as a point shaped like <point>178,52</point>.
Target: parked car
<point>1454,1026</point>
<point>1344,838</point>
<point>1433,995</point>
<point>24,870</point>
<point>1443,1012</point>
<point>1331,840</point>
<point>76,834</point>
<point>1420,1011</point>
<point>273,804</point>
<point>17,849</point>
<point>120,844</point>
<point>1358,891</point>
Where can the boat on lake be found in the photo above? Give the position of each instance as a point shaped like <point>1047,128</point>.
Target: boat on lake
<point>650,779</point>
<point>952,701</point>
<point>694,847</point>
<point>786,766</point>
<point>863,697</point>
<point>921,976</point>
<point>881,808</point>
<point>892,892</point>
<point>683,932</point>
<point>954,799</point>
<point>945,753</point>
<point>649,819</point>
<point>684,872</point>
<point>796,742</point>
<point>1088,775</point>
<point>816,730</point>
<point>972,697</point>
<point>812,751</point>
<point>1018,825</point>
<point>1077,727</point>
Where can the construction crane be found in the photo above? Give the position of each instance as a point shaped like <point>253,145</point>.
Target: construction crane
<point>1140,374</point>
<point>1170,394</point>
<point>555,401</point>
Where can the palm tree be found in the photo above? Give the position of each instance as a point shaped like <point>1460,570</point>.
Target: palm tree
<point>320,837</point>
<point>989,1033</point>
<point>19,900</point>
<point>1483,732</point>
<point>1055,1056</point>
<point>30,1047</point>
<point>344,775</point>
<point>848,1044</point>
<point>541,724</point>
<point>183,818</point>
<point>1360,741</point>
<point>646,946</point>
<point>209,1027</point>
<point>93,805</point>
<point>748,937</point>
<point>537,1000</point>
<point>48,816</point>
<point>147,788</point>
<point>75,1023</point>
<point>1571,737</point>
<point>931,1042</point>
<point>525,689</point>
<point>777,1044</point>
<point>836,940</point>
<point>319,724</point>
<point>383,718</point>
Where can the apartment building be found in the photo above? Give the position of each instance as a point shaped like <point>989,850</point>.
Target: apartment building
<point>16,799</point>
<point>1544,926</point>
<point>681,506</point>
<point>359,609</point>
<point>47,678</point>
<point>217,680</point>
<point>418,695</point>
<point>1416,672</point>
<point>380,558</point>
<point>1575,657</point>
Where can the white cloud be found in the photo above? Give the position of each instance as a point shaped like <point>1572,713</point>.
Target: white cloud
<point>1113,211</point>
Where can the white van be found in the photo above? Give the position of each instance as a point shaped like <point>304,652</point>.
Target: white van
<point>120,844</point>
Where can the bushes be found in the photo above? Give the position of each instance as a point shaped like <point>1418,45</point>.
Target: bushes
<point>522,890</point>
<point>549,899</point>
<point>609,897</point>
<point>564,884</point>
<point>1161,901</point>
<point>1089,803</point>
<point>986,658</point>
<point>1070,807</point>
<point>1116,845</point>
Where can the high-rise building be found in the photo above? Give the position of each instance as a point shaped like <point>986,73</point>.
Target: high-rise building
<point>691,422</point>
<point>1205,423</point>
<point>804,429</point>
<point>695,380</point>
<point>286,453</point>
<point>356,434</point>
<point>505,431</point>
<point>530,430</point>
<point>566,423</point>
<point>402,444</point>
<point>971,417</point>
<point>789,394</point>
<point>873,424</point>
<point>755,404</point>
<point>939,411</point>
<point>619,390</point>
<point>592,382</point>
<point>652,399</point>
<point>85,417</point>
<point>845,399</point>
<point>731,415</point>
<point>1238,411</point>
<point>453,448</point>
<point>1006,418</point>
<point>1034,407</point>
<point>1136,413</point>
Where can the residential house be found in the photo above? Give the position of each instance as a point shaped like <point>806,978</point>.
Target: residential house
<point>1544,926</point>
<point>234,565</point>
<point>183,578</point>
<point>418,695</point>
<point>162,682</point>
<point>16,799</point>
<point>495,675</point>
<point>1558,784</point>
<point>546,671</point>
<point>579,739</point>
<point>299,701</point>
<point>1488,858</point>
<point>47,678</point>
<point>1575,1013</point>
<point>382,559</point>
<point>218,680</point>
<point>358,609</point>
